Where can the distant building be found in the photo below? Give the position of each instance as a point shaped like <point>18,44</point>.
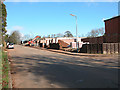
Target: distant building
<point>62,41</point>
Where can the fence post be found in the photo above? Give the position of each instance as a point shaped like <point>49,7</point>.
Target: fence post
<point>95,48</point>
<point>111,48</point>
<point>101,48</point>
<point>92,48</point>
<point>116,47</point>
<point>104,48</point>
<point>88,48</point>
<point>108,48</point>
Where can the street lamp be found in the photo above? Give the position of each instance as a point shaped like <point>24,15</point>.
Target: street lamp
<point>76,32</point>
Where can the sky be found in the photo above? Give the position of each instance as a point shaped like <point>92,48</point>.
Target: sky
<point>61,0</point>
<point>46,18</point>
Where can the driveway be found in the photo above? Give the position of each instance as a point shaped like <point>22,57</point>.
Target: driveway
<point>35,68</point>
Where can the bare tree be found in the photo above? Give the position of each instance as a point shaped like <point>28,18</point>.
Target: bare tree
<point>27,37</point>
<point>101,31</point>
<point>59,35</point>
<point>96,32</point>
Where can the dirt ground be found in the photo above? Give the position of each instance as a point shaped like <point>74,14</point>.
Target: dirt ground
<point>35,68</point>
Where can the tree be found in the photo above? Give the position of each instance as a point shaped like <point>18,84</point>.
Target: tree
<point>6,37</point>
<point>48,36</point>
<point>53,35</point>
<point>14,37</point>
<point>96,32</point>
<point>59,35</point>
<point>101,31</point>
<point>68,34</point>
<point>27,37</point>
<point>3,23</point>
<point>4,15</point>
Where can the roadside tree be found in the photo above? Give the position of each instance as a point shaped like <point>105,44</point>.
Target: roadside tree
<point>14,37</point>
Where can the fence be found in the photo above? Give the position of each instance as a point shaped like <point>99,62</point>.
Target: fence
<point>54,46</point>
<point>110,48</point>
<point>105,48</point>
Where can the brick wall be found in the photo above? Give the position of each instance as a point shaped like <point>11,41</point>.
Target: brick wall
<point>94,40</point>
<point>112,30</point>
<point>112,38</point>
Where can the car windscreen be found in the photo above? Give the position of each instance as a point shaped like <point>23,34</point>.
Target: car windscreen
<point>11,44</point>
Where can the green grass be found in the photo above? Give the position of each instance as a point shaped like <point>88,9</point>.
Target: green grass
<point>5,71</point>
<point>0,70</point>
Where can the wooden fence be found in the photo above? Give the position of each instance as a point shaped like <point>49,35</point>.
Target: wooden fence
<point>54,46</point>
<point>110,48</point>
<point>105,48</point>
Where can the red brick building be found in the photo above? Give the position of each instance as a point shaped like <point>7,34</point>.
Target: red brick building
<point>112,30</point>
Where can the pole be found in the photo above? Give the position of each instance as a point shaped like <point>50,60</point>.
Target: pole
<point>76,35</point>
<point>76,32</point>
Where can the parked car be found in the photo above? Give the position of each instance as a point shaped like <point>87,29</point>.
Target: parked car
<point>10,46</point>
<point>1,45</point>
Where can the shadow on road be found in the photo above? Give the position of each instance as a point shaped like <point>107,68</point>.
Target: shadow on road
<point>68,73</point>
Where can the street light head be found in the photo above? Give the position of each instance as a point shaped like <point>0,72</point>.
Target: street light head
<point>72,15</point>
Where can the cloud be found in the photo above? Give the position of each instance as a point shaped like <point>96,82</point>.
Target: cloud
<point>17,28</point>
<point>103,19</point>
<point>13,28</point>
<point>62,1</point>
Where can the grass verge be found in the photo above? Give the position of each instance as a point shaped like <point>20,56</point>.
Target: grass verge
<point>5,70</point>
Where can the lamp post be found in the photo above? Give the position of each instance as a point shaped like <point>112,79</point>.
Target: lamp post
<point>76,32</point>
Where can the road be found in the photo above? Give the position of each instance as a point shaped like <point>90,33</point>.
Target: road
<point>35,68</point>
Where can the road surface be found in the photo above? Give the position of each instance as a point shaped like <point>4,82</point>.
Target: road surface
<point>35,68</point>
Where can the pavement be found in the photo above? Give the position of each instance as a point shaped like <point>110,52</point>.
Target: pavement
<point>37,68</point>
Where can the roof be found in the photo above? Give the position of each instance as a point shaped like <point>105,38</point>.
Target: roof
<point>112,18</point>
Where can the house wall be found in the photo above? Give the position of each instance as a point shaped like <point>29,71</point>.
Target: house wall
<point>112,30</point>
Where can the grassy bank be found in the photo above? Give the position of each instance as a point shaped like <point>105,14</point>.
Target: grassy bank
<point>0,69</point>
<point>5,70</point>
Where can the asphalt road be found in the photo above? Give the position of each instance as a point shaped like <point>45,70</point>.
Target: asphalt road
<point>35,68</point>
